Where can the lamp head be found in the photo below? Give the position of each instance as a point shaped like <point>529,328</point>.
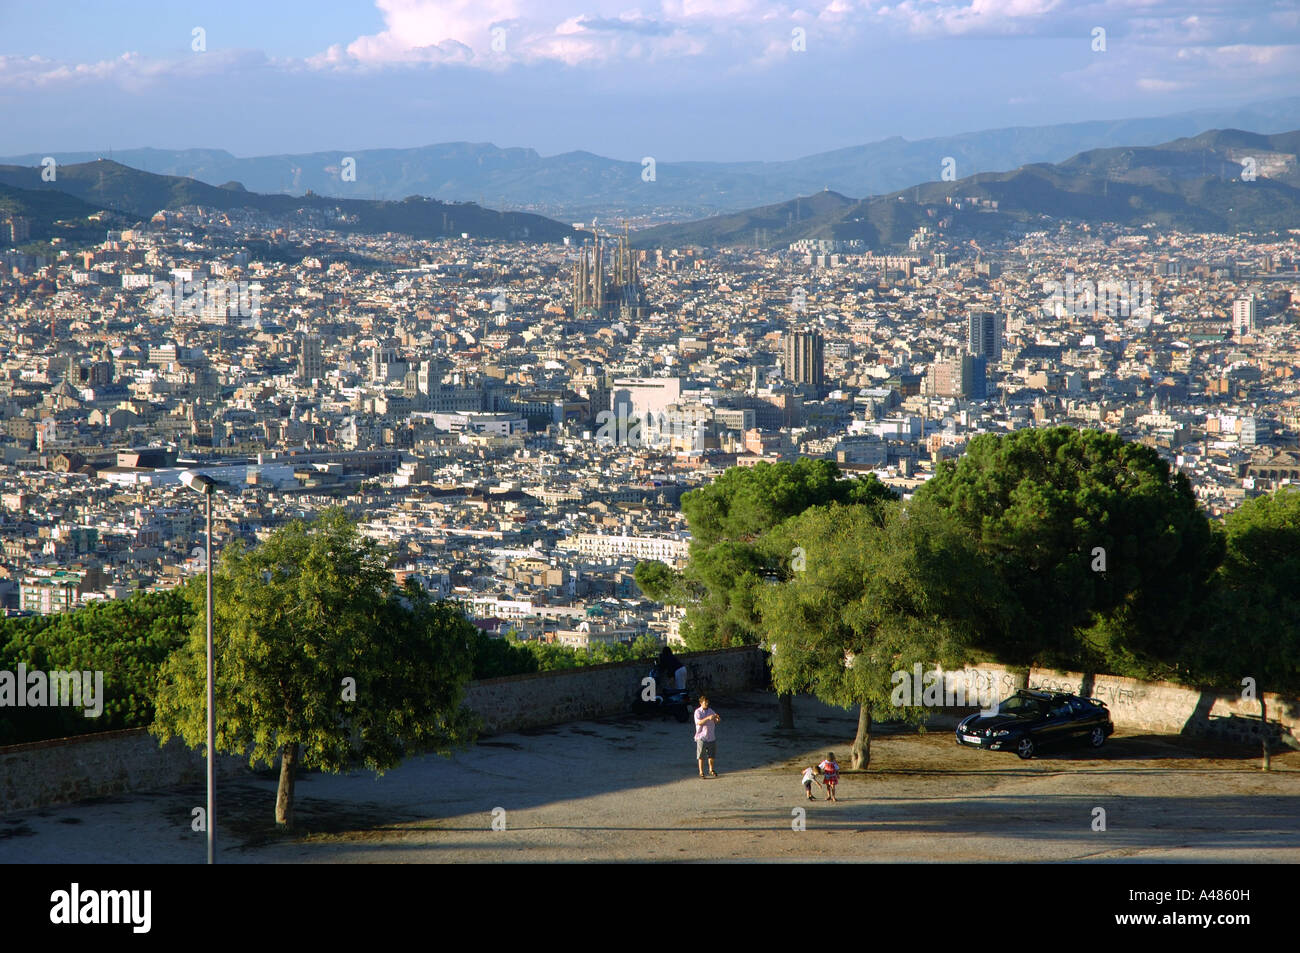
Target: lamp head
<point>198,482</point>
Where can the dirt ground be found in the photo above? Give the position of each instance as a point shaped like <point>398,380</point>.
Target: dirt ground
<point>626,789</point>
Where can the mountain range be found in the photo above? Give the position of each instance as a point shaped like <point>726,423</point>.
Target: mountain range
<point>575,186</point>
<point>82,189</point>
<point>1223,180</point>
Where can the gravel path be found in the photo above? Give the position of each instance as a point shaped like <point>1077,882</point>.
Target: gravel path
<point>627,789</point>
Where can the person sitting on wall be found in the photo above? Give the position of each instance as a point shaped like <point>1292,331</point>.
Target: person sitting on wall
<point>670,666</point>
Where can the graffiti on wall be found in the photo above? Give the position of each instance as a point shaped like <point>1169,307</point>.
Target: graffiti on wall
<point>1114,695</point>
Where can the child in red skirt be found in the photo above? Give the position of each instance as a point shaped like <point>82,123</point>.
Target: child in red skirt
<point>830,775</point>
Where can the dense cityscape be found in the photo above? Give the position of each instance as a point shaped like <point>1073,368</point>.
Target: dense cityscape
<point>518,421</point>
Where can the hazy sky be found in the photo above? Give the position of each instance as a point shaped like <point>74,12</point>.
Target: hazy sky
<point>680,79</point>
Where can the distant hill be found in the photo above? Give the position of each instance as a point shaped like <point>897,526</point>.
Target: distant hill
<point>114,186</point>
<point>813,216</point>
<point>576,185</point>
<point>51,214</point>
<point>1192,184</point>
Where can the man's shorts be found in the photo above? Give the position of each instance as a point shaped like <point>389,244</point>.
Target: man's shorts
<point>706,749</point>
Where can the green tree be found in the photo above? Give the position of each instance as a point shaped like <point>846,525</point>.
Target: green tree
<point>730,557</point>
<point>642,647</point>
<point>497,658</point>
<point>1101,543</point>
<point>1252,628</point>
<point>744,502</point>
<point>320,660</point>
<point>551,656</point>
<point>881,588</point>
<point>657,581</point>
<point>128,640</point>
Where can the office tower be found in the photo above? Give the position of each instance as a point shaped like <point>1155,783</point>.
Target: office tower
<point>976,373</point>
<point>984,334</point>
<point>1243,316</point>
<point>805,358</point>
<point>311,360</point>
<point>960,375</point>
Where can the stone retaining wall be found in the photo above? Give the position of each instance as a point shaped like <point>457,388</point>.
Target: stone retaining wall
<point>65,770</point>
<point>548,698</point>
<point>1158,707</point>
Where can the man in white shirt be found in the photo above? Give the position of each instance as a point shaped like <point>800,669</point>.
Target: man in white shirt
<point>706,745</point>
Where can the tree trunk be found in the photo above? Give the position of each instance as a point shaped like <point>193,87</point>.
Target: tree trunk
<point>1263,717</point>
<point>861,753</point>
<point>284,797</point>
<point>787,711</point>
<point>1019,678</point>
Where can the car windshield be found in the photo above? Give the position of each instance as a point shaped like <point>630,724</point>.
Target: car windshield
<point>1020,705</point>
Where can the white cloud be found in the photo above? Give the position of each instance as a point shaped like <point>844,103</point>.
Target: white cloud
<point>130,70</point>
<point>1150,84</point>
<point>726,36</point>
<point>421,31</point>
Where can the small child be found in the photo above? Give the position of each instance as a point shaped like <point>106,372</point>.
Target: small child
<point>831,775</point>
<point>809,779</point>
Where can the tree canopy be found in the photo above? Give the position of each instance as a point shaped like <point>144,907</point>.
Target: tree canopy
<point>1252,626</point>
<point>126,639</point>
<point>882,589</point>
<point>318,655</point>
<point>731,552</point>
<point>1101,543</point>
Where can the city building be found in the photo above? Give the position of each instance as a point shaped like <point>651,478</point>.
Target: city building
<point>984,331</point>
<point>311,360</point>
<point>602,291</point>
<point>1243,316</point>
<point>805,359</point>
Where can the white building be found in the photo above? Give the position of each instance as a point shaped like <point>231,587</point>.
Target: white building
<point>1243,316</point>
<point>600,546</point>
<point>639,396</point>
<point>503,425</point>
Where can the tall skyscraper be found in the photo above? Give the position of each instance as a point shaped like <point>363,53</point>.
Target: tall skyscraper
<point>976,371</point>
<point>960,375</point>
<point>805,358</point>
<point>984,334</point>
<point>311,361</point>
<point>1243,316</point>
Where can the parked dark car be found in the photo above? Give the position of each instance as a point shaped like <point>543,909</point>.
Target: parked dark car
<point>1029,721</point>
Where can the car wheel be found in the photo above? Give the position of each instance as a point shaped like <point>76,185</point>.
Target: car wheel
<point>1025,748</point>
<point>1098,737</point>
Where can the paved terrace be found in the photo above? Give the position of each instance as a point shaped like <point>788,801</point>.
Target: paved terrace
<point>627,789</point>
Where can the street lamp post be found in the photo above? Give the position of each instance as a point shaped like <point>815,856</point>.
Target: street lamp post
<point>205,485</point>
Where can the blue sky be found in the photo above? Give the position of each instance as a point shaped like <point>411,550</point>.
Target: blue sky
<point>677,79</point>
